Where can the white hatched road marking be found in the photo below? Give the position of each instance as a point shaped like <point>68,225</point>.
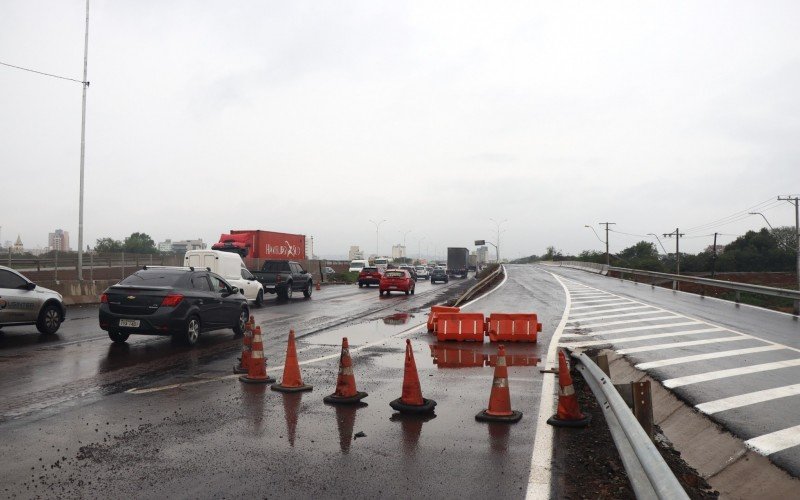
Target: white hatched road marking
<point>775,441</point>
<point>611,316</point>
<point>674,345</point>
<point>613,304</point>
<point>711,355</point>
<point>641,337</point>
<point>619,309</point>
<point>643,327</point>
<point>622,322</point>
<point>731,372</point>
<point>750,398</point>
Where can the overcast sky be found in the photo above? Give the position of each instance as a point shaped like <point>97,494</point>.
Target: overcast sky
<point>315,117</point>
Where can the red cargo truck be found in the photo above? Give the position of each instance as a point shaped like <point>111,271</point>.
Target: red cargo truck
<point>260,245</point>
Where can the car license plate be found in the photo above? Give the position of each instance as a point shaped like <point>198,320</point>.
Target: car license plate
<point>130,323</point>
<point>393,287</point>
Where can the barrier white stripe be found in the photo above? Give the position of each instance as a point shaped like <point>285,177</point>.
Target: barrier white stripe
<point>622,322</point>
<point>750,398</point>
<point>673,345</point>
<point>775,441</point>
<point>620,309</point>
<point>731,372</point>
<point>616,303</point>
<point>643,327</point>
<point>612,316</point>
<point>709,355</point>
<point>641,337</point>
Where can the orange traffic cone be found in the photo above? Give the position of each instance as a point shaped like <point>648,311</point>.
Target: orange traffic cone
<point>291,381</point>
<point>346,392</point>
<point>247,346</point>
<point>318,286</point>
<point>500,398</point>
<point>411,400</point>
<point>569,413</point>
<point>257,373</point>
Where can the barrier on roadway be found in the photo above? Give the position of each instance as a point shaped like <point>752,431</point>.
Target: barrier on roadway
<point>435,310</point>
<point>505,327</point>
<point>454,357</point>
<point>460,326</point>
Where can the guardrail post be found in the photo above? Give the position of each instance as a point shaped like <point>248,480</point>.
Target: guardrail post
<point>738,296</point>
<point>601,360</point>
<point>123,265</point>
<point>643,405</point>
<point>91,267</point>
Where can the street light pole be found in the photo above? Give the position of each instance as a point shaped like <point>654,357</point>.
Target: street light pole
<point>377,236</point>
<point>659,242</point>
<point>796,202</point>
<point>83,144</point>
<point>404,233</point>
<point>497,246</point>
<point>765,218</point>
<point>608,256</point>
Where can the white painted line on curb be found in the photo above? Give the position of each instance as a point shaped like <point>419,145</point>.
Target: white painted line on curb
<point>775,441</point>
<point>750,398</point>
<point>731,372</point>
<point>710,355</point>
<point>677,345</point>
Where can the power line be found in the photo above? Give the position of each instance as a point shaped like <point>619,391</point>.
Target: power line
<point>628,234</point>
<point>43,73</point>
<point>734,217</point>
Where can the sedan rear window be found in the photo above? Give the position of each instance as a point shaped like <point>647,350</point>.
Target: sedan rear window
<point>395,274</point>
<point>370,270</point>
<point>153,278</point>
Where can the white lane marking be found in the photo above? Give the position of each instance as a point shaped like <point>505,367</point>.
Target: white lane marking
<point>675,345</point>
<point>408,331</point>
<point>710,355</point>
<point>589,300</point>
<point>643,327</point>
<point>775,441</point>
<point>730,372</point>
<point>621,322</point>
<point>542,455</point>
<point>619,309</point>
<point>612,316</point>
<point>750,398</point>
<point>614,304</point>
<point>583,295</point>
<point>641,337</point>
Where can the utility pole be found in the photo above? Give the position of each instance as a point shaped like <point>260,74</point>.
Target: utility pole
<point>83,145</point>
<point>497,246</point>
<point>677,234</point>
<point>714,257</point>
<point>796,202</point>
<point>608,256</point>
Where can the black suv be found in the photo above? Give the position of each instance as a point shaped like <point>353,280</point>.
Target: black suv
<point>439,275</point>
<point>177,301</point>
<point>284,277</point>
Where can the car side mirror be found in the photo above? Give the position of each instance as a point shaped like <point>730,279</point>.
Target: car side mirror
<point>29,286</point>
<point>234,289</point>
<point>303,272</point>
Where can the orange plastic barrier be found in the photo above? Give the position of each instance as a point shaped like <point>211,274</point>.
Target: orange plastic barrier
<point>453,357</point>
<point>460,326</point>
<point>503,327</point>
<point>438,309</point>
<point>515,360</point>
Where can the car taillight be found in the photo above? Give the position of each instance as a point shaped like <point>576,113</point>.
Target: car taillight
<point>278,278</point>
<point>172,300</point>
<point>104,298</point>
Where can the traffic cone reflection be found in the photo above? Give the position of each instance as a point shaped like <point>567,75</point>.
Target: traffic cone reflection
<point>500,398</point>
<point>569,413</point>
<point>291,381</point>
<point>346,392</point>
<point>257,373</point>
<point>247,346</point>
<point>411,400</point>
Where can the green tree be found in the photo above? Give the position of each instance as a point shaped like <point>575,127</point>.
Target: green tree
<point>107,245</point>
<point>552,254</point>
<point>140,243</point>
<point>756,251</point>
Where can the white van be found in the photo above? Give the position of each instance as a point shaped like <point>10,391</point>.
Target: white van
<point>357,265</point>
<point>382,263</point>
<point>231,267</point>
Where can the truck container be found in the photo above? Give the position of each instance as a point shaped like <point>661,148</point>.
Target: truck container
<point>457,262</point>
<point>255,246</point>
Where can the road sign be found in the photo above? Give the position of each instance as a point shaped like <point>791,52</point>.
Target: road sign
<point>479,243</point>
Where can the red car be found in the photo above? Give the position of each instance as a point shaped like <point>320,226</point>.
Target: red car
<point>369,276</point>
<point>397,280</point>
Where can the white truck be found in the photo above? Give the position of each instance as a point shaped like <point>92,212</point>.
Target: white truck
<point>231,267</point>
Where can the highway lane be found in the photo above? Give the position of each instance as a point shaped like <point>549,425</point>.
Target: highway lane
<point>739,365</point>
<point>194,430</point>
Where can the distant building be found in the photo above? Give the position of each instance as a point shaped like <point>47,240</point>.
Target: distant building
<point>398,251</point>
<point>483,255</point>
<point>165,246</point>
<point>355,253</point>
<point>18,247</point>
<point>184,245</point>
<point>58,240</point>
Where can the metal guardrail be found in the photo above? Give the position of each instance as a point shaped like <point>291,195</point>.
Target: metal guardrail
<point>649,474</point>
<point>474,288</point>
<point>730,285</point>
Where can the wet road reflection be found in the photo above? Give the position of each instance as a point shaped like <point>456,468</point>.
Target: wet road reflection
<point>253,398</point>
<point>345,421</point>
<point>411,426</point>
<point>498,438</point>
<point>291,405</point>
<point>474,355</point>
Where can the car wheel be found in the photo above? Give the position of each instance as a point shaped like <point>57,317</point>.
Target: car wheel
<point>241,321</point>
<point>386,292</point>
<point>361,285</point>
<point>260,298</point>
<point>191,331</point>
<point>413,290</point>
<point>288,293</point>
<point>307,290</point>
<point>49,320</point>
<point>118,337</point>
<point>408,291</point>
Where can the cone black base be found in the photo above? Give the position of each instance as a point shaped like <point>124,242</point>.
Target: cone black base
<point>283,388</point>
<point>248,380</point>
<point>339,400</point>
<point>515,417</point>
<point>239,369</point>
<point>427,406</point>
<point>557,422</point>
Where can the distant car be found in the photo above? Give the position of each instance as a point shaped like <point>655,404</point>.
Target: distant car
<point>23,302</point>
<point>422,272</point>
<point>369,276</point>
<point>328,270</point>
<point>397,280</point>
<point>439,275</point>
<point>178,301</point>
<point>357,265</point>
<point>411,271</point>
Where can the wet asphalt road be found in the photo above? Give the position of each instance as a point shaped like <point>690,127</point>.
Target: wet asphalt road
<point>84,417</point>
<point>739,365</point>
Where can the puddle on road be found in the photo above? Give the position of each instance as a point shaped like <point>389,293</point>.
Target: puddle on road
<point>363,333</point>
